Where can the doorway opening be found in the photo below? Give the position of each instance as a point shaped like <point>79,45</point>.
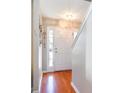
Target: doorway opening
<point>59,41</point>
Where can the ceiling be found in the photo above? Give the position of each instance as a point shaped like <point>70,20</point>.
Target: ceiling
<point>58,9</point>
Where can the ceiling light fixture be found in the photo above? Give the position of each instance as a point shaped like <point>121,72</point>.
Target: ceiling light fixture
<point>69,16</point>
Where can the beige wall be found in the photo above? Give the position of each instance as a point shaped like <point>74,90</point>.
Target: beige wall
<point>60,22</point>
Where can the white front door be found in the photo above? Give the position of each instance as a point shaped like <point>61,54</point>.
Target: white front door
<point>59,52</point>
<point>62,49</point>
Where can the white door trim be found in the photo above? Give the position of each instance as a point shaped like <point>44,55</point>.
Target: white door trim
<point>74,87</point>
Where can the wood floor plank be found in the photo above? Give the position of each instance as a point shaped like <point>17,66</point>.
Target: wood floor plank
<point>57,82</point>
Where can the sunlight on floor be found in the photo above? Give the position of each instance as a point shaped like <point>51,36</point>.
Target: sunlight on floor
<point>50,87</point>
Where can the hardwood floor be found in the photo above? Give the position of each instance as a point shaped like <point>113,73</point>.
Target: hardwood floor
<point>57,82</point>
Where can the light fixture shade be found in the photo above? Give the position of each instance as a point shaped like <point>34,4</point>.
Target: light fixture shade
<point>69,16</point>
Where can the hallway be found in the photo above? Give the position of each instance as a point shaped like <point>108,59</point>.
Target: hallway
<point>57,82</point>
<point>61,46</point>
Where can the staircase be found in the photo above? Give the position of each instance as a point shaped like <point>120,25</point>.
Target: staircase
<point>82,57</point>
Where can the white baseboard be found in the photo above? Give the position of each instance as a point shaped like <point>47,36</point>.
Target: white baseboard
<point>76,90</point>
<point>56,70</point>
<point>40,81</point>
<point>47,71</point>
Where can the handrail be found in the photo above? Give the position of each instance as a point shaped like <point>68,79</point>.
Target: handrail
<point>82,26</point>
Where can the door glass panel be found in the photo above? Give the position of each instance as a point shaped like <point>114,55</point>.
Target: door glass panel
<point>50,58</point>
<point>50,48</point>
<point>50,39</point>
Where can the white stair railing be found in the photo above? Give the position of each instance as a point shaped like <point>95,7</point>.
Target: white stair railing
<point>82,57</point>
<point>82,26</point>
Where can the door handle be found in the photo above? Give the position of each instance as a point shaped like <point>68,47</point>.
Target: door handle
<point>50,50</point>
<point>55,48</point>
<point>56,51</point>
